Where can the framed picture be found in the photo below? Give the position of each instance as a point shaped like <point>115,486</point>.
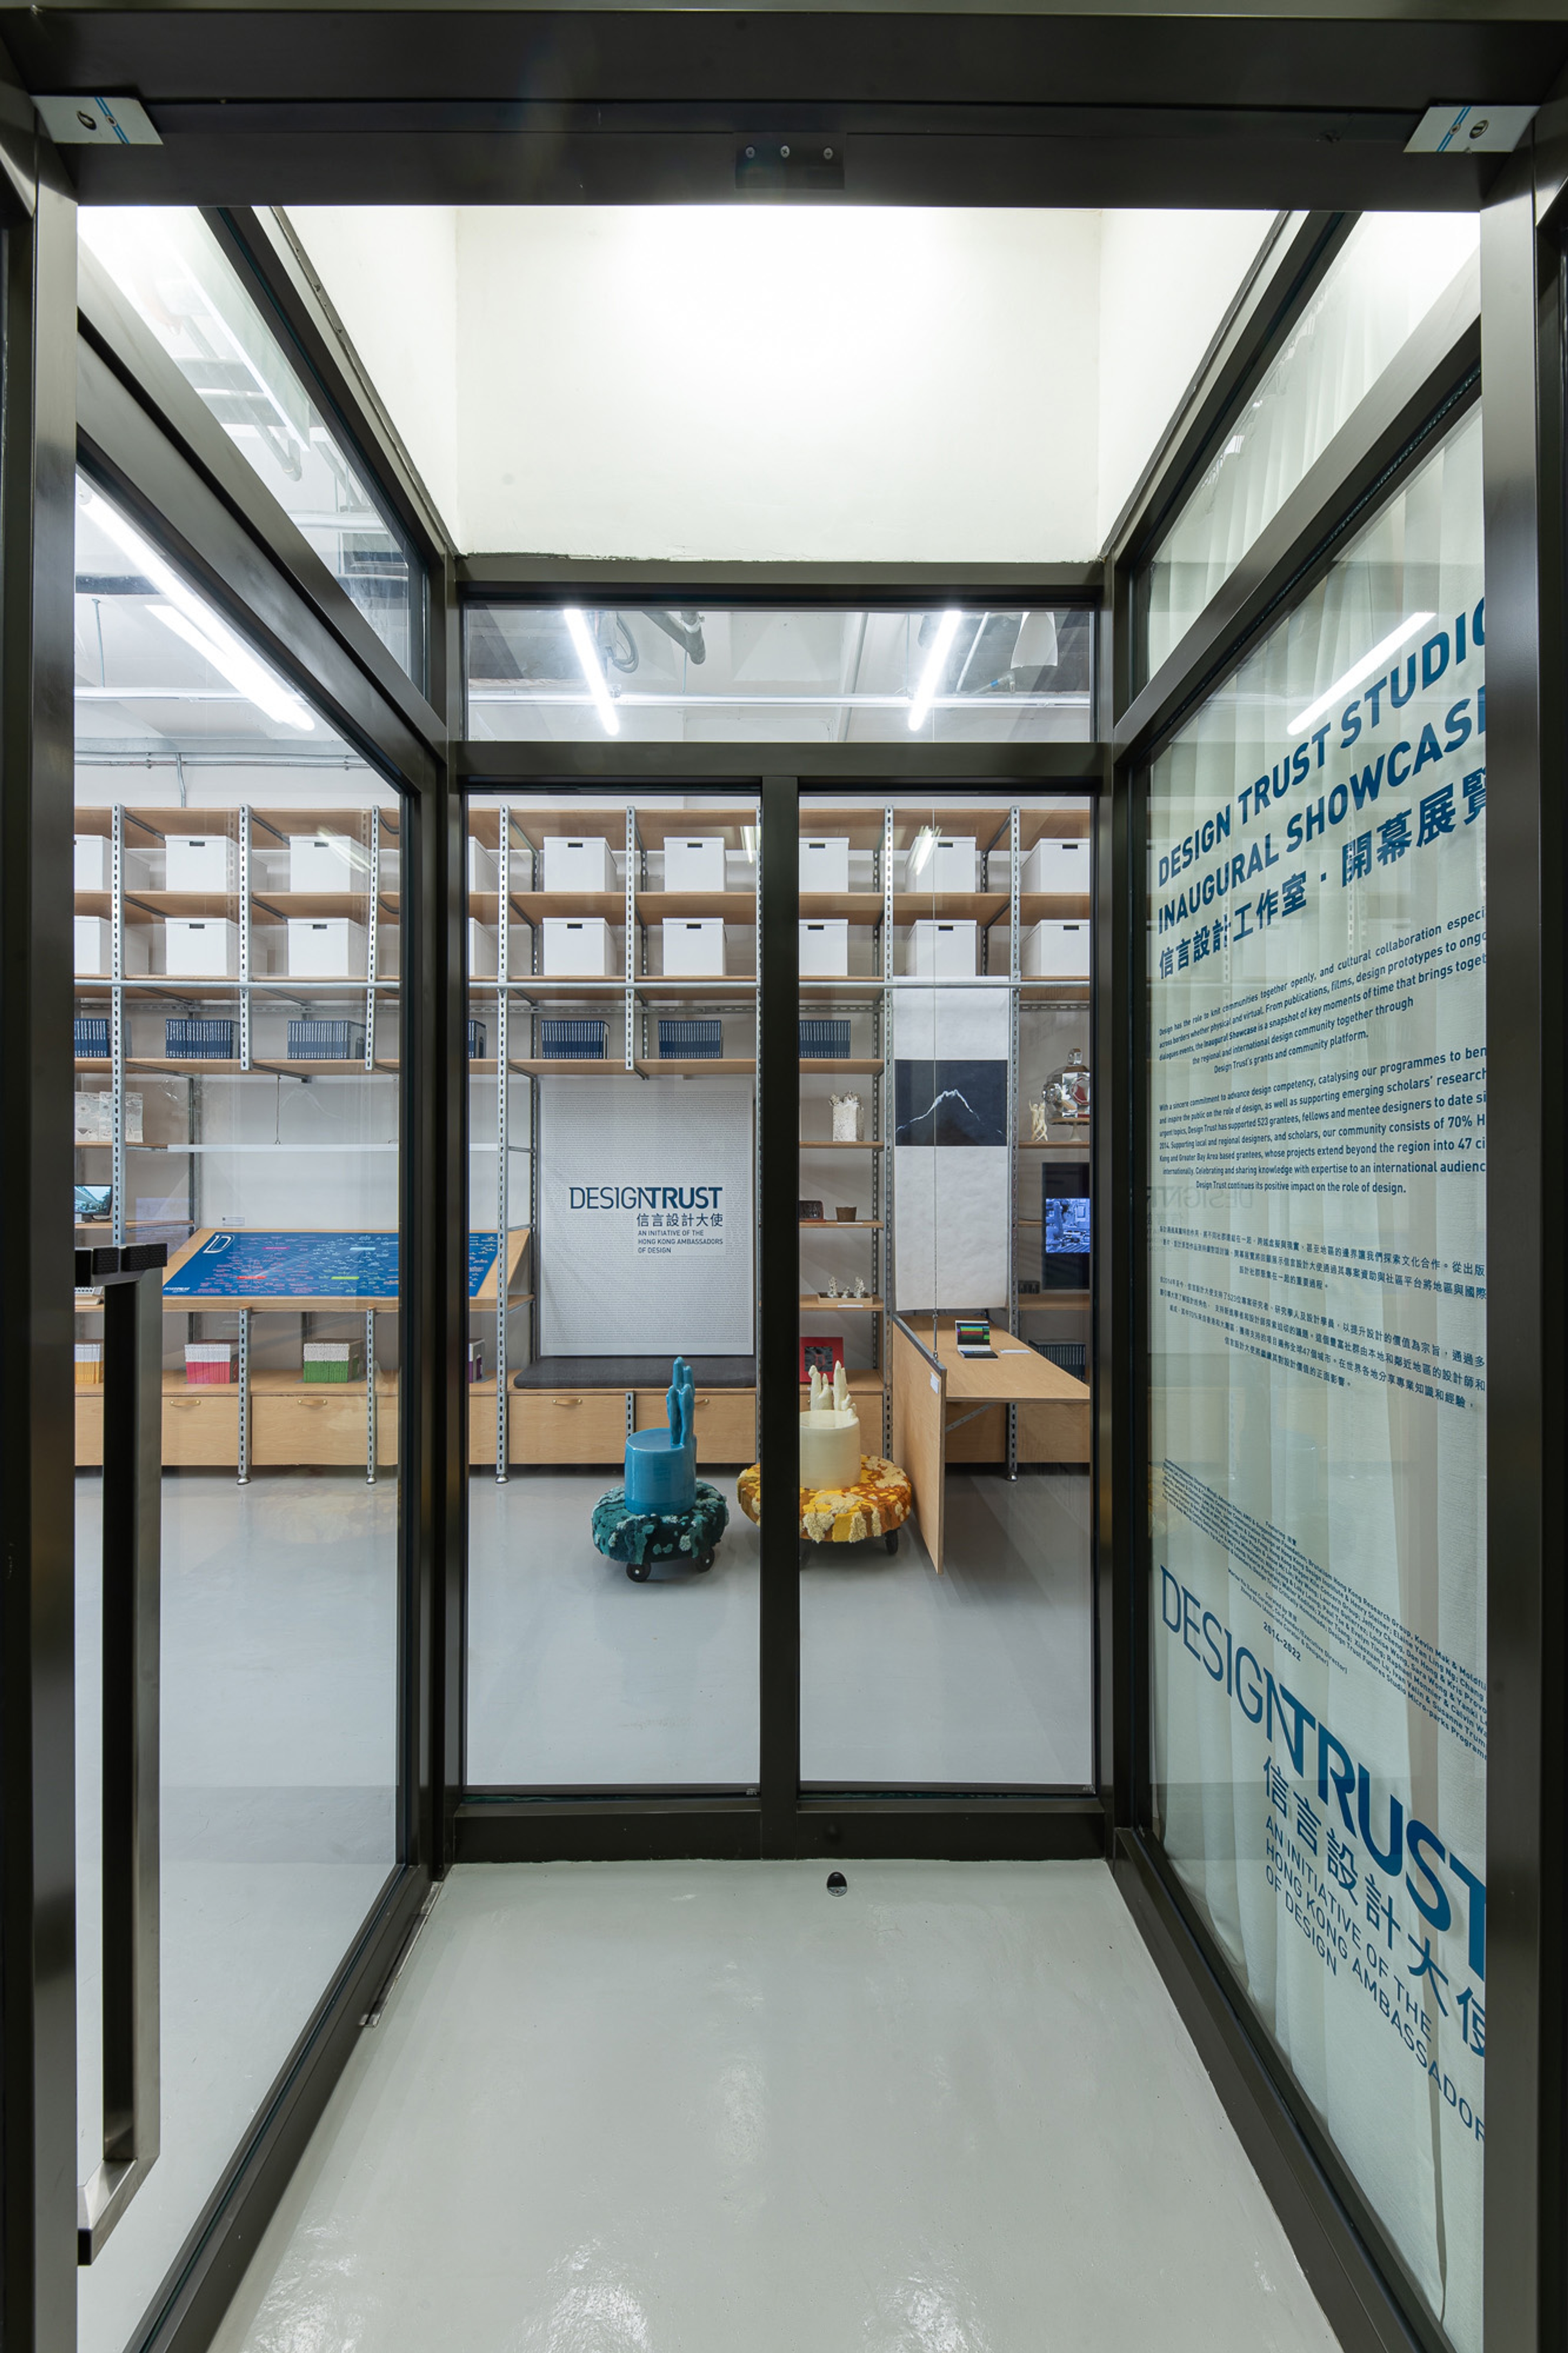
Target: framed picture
<point>819,1356</point>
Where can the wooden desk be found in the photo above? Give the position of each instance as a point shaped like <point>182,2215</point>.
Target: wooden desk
<point>929,1399</point>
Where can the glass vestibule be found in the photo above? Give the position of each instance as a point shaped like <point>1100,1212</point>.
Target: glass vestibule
<point>238,1021</point>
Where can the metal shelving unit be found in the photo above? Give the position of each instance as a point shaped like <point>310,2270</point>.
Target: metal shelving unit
<point>241,994</point>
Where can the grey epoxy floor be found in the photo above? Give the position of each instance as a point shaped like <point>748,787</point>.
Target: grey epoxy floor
<point>279,1651</point>
<point>980,1676</point>
<point>707,2108</point>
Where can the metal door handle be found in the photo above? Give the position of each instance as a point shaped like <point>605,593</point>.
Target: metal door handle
<point>132,1509</point>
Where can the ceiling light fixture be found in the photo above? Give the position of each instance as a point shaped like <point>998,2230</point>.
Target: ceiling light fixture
<point>194,620</point>
<point>930,676</point>
<point>593,670</point>
<point>1357,671</point>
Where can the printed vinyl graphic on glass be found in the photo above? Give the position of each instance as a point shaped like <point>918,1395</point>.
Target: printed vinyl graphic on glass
<point>1317,1340</point>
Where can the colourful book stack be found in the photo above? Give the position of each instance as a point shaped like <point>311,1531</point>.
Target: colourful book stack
<point>475,1360</point>
<point>334,1360</point>
<point>90,1364</point>
<point>209,1364</point>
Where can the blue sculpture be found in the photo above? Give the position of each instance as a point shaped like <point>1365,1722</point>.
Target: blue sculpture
<point>661,1464</point>
<point>664,1512</point>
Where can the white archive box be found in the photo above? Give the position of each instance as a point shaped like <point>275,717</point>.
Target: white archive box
<point>1056,952</point>
<point>200,861</point>
<point>578,862</point>
<point>327,947</point>
<point>95,946</point>
<point>944,948</point>
<point>694,947</point>
<point>93,862</point>
<point>483,950</point>
<point>694,861</point>
<point>578,948</point>
<point>825,949</point>
<point>327,861</point>
<point>953,865</point>
<point>200,948</point>
<point>484,869</point>
<point>825,863</point>
<point>1060,868</point>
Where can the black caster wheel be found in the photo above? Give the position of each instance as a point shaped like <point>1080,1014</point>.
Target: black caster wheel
<point>640,1571</point>
<point>890,1541</point>
<point>706,1561</point>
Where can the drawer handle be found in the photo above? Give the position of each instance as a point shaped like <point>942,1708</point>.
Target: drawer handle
<point>566,1400</point>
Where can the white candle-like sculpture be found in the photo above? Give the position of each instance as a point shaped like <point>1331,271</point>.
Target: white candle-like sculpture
<point>829,1435</point>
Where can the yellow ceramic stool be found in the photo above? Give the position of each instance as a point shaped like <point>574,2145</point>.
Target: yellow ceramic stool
<point>877,1505</point>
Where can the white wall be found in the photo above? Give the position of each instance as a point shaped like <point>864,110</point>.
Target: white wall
<point>722,382</point>
<point>392,273</point>
<point>1166,280</point>
<point>859,385</point>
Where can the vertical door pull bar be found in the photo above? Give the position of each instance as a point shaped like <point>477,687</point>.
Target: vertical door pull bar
<point>133,1284</point>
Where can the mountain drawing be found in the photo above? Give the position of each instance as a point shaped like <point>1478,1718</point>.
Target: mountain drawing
<point>950,1103</point>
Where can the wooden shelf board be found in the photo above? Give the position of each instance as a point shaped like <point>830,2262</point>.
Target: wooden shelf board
<point>339,1066</point>
<point>564,1066</point>
<point>1056,1144</point>
<point>1029,1299</point>
<point>1054,907</point>
<point>729,906</point>
<point>861,907</point>
<point>837,1225</point>
<point>1054,992</point>
<point>723,1066</point>
<point>816,1301</point>
<point>850,1064</point>
<point>981,907</point>
<point>653,988</point>
<point>826,1143</point>
<point>534,905</point>
<point>322,906</point>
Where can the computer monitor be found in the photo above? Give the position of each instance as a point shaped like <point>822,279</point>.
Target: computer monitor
<point>93,1203</point>
<point>1066,1235</point>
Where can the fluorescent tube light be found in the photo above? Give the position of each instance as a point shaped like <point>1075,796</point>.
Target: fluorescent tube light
<point>239,667</point>
<point>1358,671</point>
<point>194,620</point>
<point>749,844</point>
<point>930,676</point>
<point>593,671</point>
<point>925,841</point>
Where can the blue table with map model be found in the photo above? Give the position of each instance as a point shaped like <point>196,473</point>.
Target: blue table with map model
<point>306,1271</point>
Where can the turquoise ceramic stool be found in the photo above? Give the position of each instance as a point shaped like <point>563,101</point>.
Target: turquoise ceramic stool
<point>664,1512</point>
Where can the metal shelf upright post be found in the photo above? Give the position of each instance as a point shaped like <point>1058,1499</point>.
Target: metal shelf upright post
<point>504,1124</point>
<point>1013,971</point>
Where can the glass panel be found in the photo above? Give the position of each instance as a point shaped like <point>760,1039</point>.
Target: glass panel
<point>617,1157</point>
<point>945,1255</point>
<point>1385,278</point>
<point>235,869</point>
<point>1317,1288</point>
<point>814,676</point>
<point>169,264</point>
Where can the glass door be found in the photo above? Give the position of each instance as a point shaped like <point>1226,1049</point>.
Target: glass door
<point>945,1256</point>
<point>237,1044</point>
<point>613,1626</point>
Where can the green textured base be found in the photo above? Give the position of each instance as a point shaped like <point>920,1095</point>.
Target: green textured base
<point>639,1539</point>
<point>328,1372</point>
